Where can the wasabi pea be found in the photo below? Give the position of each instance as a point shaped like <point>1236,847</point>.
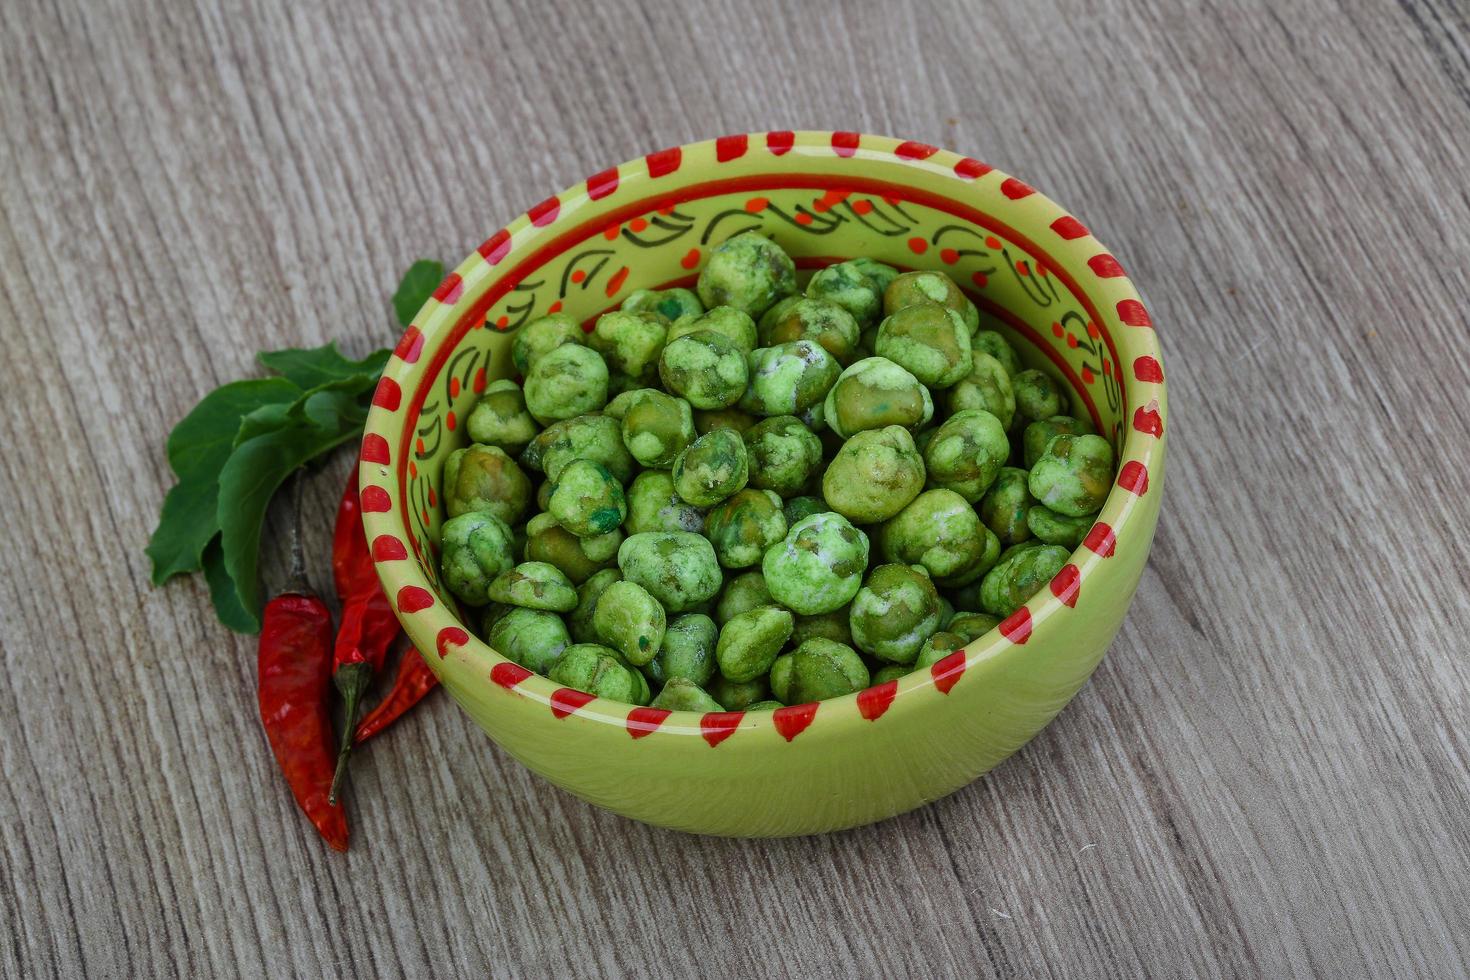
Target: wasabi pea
<point>768,319</point>
<point>712,468</point>
<point>988,387</point>
<point>881,274</point>
<point>742,593</point>
<point>992,343</point>
<point>656,426</point>
<point>587,499</point>
<point>970,626</point>
<point>654,506</point>
<point>670,304</point>
<point>738,327</point>
<point>912,288</point>
<point>723,418</point>
<point>799,508</point>
<point>967,453</point>
<point>789,378</point>
<point>738,695</point>
<point>1004,506</point>
<point>895,611</point>
<point>1073,475</point>
<point>579,620</point>
<point>548,541</point>
<point>874,393</point>
<point>742,526</point>
<point>930,340</point>
<point>940,531</point>
<point>705,367</point>
<point>475,548</point>
<point>1038,396</point>
<point>595,669</point>
<point>748,272</point>
<point>630,343</point>
<point>542,337</point>
<point>484,480</point>
<point>594,437</point>
<point>1052,528</point>
<point>500,419</point>
<point>890,672</point>
<point>677,568</point>
<point>848,286</point>
<point>682,694</point>
<point>818,670</point>
<point>749,642</point>
<point>768,705</point>
<point>534,585</point>
<point>565,382</point>
<point>1038,434</point>
<point>687,652</point>
<point>812,319</point>
<point>783,455</point>
<point>1018,576</point>
<point>834,625</point>
<point>819,566</point>
<point>937,647</point>
<point>874,475</point>
<point>532,638</point>
<point>630,621</point>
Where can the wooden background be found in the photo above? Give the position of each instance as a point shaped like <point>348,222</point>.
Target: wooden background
<point>1267,777</point>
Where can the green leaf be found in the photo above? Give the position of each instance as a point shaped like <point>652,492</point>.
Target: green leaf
<point>222,591</point>
<point>418,284</point>
<point>257,468</point>
<point>310,367</point>
<point>197,447</point>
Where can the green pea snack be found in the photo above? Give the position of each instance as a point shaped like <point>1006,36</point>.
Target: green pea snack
<point>874,393</point>
<point>819,566</point>
<point>1038,434</point>
<point>596,670</point>
<point>748,272</point>
<point>543,336</point>
<point>813,319</point>
<point>749,642</point>
<point>783,454</point>
<point>500,418</point>
<point>705,367</point>
<point>534,585</point>
<point>913,288</point>
<point>987,386</point>
<point>654,506</point>
<point>1073,475</point>
<point>630,621</point>
<point>874,476</point>
<point>818,670</point>
<point>847,285</point>
<point>1038,396</point>
<point>565,382</point>
<point>670,304</point>
<point>895,611</point>
<point>931,341</point>
<point>751,494</point>
<point>738,327</point>
<point>587,499</point>
<point>484,480</point>
<point>712,468</point>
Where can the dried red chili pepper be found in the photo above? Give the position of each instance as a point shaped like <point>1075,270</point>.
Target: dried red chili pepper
<point>294,662</point>
<point>368,627</point>
<point>413,681</point>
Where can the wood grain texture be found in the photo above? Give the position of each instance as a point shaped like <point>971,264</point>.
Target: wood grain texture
<point>1267,777</point>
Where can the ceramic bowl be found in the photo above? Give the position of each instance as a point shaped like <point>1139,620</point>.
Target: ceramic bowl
<point>1035,272</point>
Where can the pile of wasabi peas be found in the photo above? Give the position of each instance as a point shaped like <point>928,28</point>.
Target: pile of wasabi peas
<point>750,496</point>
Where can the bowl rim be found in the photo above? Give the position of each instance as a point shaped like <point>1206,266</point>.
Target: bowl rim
<point>434,625</point>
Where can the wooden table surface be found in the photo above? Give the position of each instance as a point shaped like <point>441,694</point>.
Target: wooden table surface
<point>1267,777</point>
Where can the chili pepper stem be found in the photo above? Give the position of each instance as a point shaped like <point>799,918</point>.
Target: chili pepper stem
<point>352,682</point>
<point>296,576</point>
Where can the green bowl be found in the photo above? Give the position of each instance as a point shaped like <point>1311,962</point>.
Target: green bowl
<point>1036,274</point>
